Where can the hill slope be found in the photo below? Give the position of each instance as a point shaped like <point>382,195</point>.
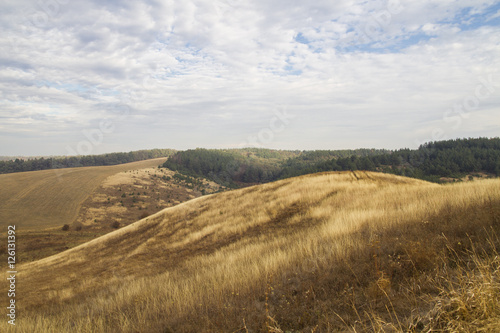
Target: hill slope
<point>53,197</point>
<point>320,252</point>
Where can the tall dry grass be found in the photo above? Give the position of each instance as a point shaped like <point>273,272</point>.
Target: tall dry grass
<point>467,297</point>
<point>323,253</point>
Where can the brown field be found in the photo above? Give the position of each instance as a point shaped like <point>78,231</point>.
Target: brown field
<point>49,198</point>
<point>352,251</point>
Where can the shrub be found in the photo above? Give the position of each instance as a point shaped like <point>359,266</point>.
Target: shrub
<point>143,215</point>
<point>65,227</point>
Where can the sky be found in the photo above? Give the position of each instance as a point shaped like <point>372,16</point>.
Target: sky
<point>91,77</point>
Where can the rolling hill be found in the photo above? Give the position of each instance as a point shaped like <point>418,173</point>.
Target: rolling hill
<point>51,198</point>
<point>338,251</point>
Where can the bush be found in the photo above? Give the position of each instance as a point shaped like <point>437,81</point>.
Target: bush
<point>65,227</point>
<point>143,215</point>
<point>115,225</point>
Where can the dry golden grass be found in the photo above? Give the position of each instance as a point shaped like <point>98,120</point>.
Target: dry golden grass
<point>48,198</point>
<point>319,253</point>
<point>469,297</point>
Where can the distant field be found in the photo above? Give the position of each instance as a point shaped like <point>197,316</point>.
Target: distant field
<point>330,252</point>
<point>51,198</point>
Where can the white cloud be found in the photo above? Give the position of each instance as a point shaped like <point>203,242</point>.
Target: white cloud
<point>195,73</point>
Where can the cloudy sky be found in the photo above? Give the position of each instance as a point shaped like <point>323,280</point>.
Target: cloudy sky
<point>89,77</point>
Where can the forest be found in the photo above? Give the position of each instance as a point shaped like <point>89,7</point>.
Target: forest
<point>242,167</point>
<point>433,161</point>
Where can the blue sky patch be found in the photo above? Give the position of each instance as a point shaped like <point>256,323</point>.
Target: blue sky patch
<point>301,39</point>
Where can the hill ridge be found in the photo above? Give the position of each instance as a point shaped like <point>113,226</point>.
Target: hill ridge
<point>319,235</point>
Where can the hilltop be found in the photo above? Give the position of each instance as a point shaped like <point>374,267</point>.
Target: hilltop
<point>323,252</point>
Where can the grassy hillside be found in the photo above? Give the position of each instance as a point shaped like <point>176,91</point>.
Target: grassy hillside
<point>53,197</point>
<point>121,199</point>
<point>327,252</point>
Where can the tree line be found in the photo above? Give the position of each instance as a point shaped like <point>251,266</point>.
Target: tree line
<point>242,167</point>
<point>431,161</point>
<point>226,167</point>
<point>35,164</point>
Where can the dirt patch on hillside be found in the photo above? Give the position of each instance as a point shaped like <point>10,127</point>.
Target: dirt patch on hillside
<point>132,195</point>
